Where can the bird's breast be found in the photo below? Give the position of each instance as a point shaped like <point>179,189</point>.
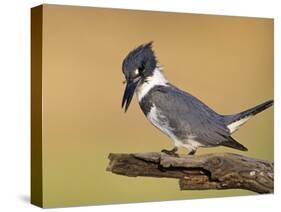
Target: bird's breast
<point>160,121</point>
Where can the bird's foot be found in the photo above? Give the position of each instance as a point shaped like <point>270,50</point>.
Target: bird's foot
<point>192,152</point>
<point>171,152</point>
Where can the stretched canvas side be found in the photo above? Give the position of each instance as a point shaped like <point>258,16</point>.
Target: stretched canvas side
<point>36,106</point>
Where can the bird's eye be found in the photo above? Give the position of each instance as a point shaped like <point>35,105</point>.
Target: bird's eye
<point>136,72</point>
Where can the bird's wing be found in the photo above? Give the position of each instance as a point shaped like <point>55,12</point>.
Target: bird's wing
<point>188,116</point>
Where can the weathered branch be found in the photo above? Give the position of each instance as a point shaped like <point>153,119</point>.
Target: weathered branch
<point>199,172</point>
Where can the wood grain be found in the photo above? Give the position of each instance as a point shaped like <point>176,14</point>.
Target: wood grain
<point>198,172</point>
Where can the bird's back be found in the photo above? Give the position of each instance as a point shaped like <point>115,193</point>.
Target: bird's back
<point>186,115</point>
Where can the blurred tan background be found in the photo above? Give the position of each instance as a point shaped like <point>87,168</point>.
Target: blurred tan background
<point>227,62</point>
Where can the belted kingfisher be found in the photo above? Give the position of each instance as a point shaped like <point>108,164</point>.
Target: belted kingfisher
<point>185,119</point>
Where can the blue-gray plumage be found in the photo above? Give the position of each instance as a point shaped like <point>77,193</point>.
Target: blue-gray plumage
<point>185,119</point>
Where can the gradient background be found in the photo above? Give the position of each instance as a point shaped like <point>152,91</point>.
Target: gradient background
<point>227,62</point>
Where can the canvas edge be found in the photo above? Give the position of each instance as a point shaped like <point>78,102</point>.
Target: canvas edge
<point>36,106</point>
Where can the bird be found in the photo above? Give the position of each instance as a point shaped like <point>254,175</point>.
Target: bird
<point>185,119</point>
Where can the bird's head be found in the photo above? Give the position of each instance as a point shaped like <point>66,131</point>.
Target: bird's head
<point>137,66</point>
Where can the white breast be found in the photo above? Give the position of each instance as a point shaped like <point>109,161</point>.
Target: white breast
<point>157,78</point>
<point>159,121</point>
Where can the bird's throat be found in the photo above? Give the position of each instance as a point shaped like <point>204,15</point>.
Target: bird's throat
<point>157,78</point>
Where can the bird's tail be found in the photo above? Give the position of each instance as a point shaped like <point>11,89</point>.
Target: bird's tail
<point>230,142</point>
<point>233,122</point>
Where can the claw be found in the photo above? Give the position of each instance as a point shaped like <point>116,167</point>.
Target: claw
<point>192,152</point>
<point>171,152</point>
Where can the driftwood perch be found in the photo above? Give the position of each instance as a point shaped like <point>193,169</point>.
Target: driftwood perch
<point>199,172</point>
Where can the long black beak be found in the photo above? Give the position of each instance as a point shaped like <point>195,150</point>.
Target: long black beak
<point>129,92</point>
